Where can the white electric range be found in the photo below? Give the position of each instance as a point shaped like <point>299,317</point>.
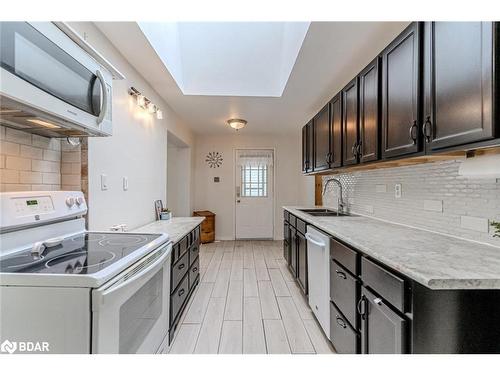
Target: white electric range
<point>67,290</point>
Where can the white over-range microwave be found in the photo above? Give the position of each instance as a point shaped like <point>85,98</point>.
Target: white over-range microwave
<point>50,85</point>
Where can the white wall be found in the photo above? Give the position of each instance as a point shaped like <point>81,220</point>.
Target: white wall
<point>219,197</point>
<point>137,149</point>
<point>179,181</point>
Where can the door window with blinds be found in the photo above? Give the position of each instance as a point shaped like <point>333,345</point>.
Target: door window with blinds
<point>255,168</point>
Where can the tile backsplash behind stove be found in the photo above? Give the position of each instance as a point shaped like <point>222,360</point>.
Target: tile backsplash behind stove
<point>32,162</point>
<point>433,196</point>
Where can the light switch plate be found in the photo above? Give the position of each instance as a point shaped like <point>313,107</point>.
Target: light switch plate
<point>398,191</point>
<point>125,183</point>
<point>104,182</point>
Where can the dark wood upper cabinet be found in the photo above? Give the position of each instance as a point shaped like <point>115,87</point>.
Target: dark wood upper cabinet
<point>336,131</point>
<point>321,136</point>
<point>459,62</point>
<point>369,112</point>
<point>307,147</point>
<point>400,94</point>
<point>350,122</point>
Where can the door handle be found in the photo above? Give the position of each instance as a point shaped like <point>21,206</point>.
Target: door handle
<point>427,129</point>
<point>413,132</point>
<point>340,322</point>
<point>341,274</point>
<point>315,241</point>
<point>104,107</point>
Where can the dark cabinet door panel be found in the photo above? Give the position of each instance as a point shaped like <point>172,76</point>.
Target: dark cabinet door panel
<point>321,136</point>
<point>350,122</point>
<point>383,331</point>
<point>336,131</point>
<point>307,148</point>
<point>400,90</point>
<point>458,83</point>
<point>293,252</point>
<point>302,261</point>
<point>369,112</point>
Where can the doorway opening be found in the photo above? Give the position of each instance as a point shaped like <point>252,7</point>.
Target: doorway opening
<point>178,176</point>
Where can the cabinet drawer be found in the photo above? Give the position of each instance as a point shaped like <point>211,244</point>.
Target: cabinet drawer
<point>194,272</point>
<point>385,283</point>
<point>179,269</point>
<point>347,257</point>
<point>178,297</point>
<point>344,292</point>
<point>193,252</point>
<point>344,338</point>
<point>301,226</point>
<point>175,252</point>
<point>286,215</point>
<point>183,246</point>
<point>292,220</point>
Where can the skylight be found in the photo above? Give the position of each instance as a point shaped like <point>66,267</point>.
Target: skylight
<point>228,58</point>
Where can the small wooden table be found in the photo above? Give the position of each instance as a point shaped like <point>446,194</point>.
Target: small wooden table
<point>207,226</point>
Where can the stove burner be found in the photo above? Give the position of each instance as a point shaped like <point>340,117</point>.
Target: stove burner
<point>81,260</point>
<point>123,240</point>
<point>94,237</point>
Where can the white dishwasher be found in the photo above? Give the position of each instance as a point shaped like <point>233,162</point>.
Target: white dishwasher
<point>318,269</point>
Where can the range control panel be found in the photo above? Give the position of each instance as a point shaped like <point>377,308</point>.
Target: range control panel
<point>22,209</point>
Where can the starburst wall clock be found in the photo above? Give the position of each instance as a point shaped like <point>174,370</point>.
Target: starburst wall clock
<point>214,159</point>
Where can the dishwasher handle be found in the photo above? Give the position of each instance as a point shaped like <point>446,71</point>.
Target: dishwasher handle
<point>315,241</point>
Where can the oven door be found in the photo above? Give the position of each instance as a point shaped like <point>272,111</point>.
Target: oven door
<point>130,313</point>
<point>44,69</point>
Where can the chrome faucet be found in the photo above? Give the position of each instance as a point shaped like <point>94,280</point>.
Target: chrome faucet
<point>340,201</point>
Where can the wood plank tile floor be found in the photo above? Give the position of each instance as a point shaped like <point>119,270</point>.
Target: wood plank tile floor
<point>247,302</point>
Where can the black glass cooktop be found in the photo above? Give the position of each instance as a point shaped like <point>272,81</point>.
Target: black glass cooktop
<point>83,254</point>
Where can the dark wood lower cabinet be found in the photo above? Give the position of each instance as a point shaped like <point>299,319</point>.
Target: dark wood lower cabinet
<point>184,275</point>
<point>302,261</point>
<point>383,330</point>
<point>375,309</point>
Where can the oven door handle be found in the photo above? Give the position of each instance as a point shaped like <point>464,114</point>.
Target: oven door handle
<point>141,271</point>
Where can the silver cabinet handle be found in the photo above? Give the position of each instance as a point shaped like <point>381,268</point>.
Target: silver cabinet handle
<point>426,129</point>
<point>104,107</point>
<point>377,301</point>
<point>413,135</point>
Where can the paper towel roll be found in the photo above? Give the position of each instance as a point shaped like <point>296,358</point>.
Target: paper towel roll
<point>483,166</point>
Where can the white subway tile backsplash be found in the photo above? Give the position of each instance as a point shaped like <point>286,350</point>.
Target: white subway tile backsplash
<point>381,188</point>
<point>17,163</point>
<point>434,197</point>
<point>9,176</point>
<point>31,152</point>
<point>433,205</point>
<point>478,224</point>
<point>21,159</point>
<point>17,136</point>
<point>9,148</point>
<point>51,178</point>
<point>71,157</point>
<point>30,177</point>
<point>51,155</point>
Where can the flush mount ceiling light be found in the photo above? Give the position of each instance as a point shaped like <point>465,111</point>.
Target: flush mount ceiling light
<point>237,123</point>
<point>145,103</point>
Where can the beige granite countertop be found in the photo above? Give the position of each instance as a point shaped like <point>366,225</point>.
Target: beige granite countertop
<point>176,227</point>
<point>435,260</point>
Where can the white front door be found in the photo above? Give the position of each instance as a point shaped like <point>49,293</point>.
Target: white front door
<point>254,194</point>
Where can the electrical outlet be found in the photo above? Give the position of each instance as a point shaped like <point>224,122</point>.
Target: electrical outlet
<point>398,191</point>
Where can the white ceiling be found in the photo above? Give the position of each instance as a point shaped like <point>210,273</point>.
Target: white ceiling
<point>331,55</point>
<point>227,58</point>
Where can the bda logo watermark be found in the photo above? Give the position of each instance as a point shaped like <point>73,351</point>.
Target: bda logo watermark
<point>24,346</point>
<point>8,347</point>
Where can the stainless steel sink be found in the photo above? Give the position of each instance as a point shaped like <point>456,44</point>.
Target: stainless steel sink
<point>322,212</point>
